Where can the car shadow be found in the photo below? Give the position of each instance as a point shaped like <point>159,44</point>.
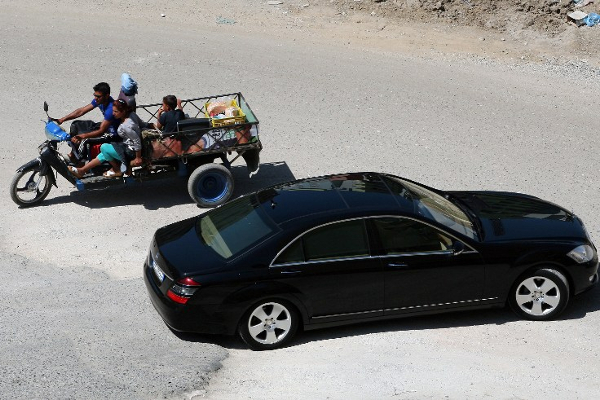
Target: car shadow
<point>582,304</point>
<point>413,323</point>
<point>578,308</point>
<point>226,341</point>
<point>165,193</point>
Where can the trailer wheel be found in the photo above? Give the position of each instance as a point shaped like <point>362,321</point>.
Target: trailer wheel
<point>210,185</point>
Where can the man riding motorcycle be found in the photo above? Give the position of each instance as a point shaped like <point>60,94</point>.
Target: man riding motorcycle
<point>86,133</point>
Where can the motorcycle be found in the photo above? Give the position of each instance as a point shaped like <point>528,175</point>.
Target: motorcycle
<point>34,180</point>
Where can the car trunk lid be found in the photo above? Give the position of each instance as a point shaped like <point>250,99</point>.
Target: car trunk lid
<point>182,252</point>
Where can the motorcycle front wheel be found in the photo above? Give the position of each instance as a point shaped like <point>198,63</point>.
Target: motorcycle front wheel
<point>29,188</point>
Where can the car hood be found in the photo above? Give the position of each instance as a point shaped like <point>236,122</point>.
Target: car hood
<point>514,216</point>
<point>183,251</point>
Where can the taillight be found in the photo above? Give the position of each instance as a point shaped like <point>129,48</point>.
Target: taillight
<point>182,290</point>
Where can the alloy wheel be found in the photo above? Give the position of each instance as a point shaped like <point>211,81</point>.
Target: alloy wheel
<point>538,296</point>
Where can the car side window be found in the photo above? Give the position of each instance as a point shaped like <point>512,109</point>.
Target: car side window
<point>401,235</point>
<point>293,253</point>
<point>338,240</point>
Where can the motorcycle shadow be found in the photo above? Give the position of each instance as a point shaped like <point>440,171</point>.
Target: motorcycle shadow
<point>166,193</point>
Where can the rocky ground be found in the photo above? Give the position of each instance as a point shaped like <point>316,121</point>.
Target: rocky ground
<point>512,16</point>
<point>535,29</point>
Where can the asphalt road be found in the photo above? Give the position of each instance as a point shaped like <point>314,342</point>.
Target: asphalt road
<point>75,318</point>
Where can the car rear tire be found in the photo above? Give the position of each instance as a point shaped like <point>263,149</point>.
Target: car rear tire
<point>541,295</point>
<point>268,325</point>
<point>210,185</point>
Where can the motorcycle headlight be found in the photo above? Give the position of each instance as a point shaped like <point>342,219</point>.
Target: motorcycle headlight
<point>582,254</point>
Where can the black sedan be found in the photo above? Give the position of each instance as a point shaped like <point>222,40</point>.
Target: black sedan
<point>361,247</point>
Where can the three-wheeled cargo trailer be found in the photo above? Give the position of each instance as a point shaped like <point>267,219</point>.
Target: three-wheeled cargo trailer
<point>217,131</point>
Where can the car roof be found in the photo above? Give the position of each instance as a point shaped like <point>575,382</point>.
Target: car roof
<point>335,194</point>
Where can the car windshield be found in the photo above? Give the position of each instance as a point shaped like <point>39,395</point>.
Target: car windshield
<point>435,207</point>
<point>235,226</point>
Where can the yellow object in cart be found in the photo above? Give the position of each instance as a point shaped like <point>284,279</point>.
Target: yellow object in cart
<point>224,112</point>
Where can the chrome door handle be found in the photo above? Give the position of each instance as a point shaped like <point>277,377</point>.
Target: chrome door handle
<point>290,272</point>
<point>397,265</point>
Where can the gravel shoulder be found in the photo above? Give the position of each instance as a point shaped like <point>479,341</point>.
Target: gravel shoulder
<point>456,107</point>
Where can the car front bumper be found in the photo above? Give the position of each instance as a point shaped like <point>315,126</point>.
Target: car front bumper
<point>585,276</point>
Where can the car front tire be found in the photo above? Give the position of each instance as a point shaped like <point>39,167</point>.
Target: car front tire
<point>541,295</point>
<point>268,325</point>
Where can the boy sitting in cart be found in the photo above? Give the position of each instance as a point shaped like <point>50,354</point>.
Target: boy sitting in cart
<point>169,114</point>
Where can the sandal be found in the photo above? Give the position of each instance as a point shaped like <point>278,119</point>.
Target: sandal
<point>75,172</point>
<point>112,174</point>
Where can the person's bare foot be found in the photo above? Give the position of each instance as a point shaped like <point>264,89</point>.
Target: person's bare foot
<point>76,172</point>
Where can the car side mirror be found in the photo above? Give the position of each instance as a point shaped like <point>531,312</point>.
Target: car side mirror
<point>458,247</point>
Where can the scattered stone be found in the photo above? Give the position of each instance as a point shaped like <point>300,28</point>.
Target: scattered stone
<point>274,3</point>
<point>225,21</point>
<point>577,17</point>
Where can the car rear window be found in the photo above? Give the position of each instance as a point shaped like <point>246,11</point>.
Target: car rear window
<point>235,226</point>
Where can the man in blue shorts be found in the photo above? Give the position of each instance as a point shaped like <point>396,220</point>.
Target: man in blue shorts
<point>86,133</point>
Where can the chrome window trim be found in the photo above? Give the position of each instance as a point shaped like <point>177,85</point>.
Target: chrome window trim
<point>353,258</point>
<point>423,253</point>
<point>407,307</point>
<point>273,265</point>
<point>419,253</point>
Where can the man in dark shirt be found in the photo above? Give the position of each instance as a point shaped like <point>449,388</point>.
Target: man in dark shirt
<point>86,133</point>
<point>168,115</point>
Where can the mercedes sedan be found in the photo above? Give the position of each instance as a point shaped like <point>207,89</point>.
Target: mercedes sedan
<point>358,247</point>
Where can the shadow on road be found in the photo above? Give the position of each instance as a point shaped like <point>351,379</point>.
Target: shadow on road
<point>154,195</point>
<point>226,341</point>
<point>578,308</point>
<point>581,305</point>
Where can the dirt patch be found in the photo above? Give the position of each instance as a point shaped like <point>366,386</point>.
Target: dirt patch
<point>511,16</point>
<point>515,30</point>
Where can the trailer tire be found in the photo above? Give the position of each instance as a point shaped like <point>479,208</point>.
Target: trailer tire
<point>210,185</point>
